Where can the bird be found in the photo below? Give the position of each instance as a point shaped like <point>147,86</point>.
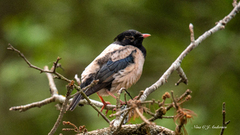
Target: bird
<point>119,65</point>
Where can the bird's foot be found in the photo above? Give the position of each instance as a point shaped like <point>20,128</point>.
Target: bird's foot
<point>105,103</point>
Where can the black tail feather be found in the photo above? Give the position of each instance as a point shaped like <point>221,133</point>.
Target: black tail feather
<point>74,102</point>
<point>88,92</point>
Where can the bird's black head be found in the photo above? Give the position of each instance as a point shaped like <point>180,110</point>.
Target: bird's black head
<point>131,37</point>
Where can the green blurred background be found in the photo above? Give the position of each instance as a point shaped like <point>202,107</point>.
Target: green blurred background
<point>78,30</point>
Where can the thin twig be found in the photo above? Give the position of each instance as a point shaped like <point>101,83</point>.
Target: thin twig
<point>127,93</point>
<point>80,91</point>
<point>99,112</point>
<point>224,124</point>
<point>174,101</point>
<point>142,117</point>
<point>140,94</point>
<point>164,97</point>
<point>162,110</point>
<point>168,117</point>
<point>182,75</point>
<point>191,33</point>
<point>148,111</point>
<point>75,128</point>
<point>186,99</point>
<point>55,65</point>
<point>63,109</point>
<point>59,76</point>
<point>178,128</point>
<point>89,101</point>
<point>125,97</point>
<point>25,59</point>
<point>185,94</point>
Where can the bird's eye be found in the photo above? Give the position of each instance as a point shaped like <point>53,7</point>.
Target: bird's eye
<point>131,38</point>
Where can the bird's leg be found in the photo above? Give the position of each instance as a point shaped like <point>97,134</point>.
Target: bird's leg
<point>104,103</point>
<point>111,94</point>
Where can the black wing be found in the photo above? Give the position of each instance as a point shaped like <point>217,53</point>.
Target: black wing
<point>110,68</point>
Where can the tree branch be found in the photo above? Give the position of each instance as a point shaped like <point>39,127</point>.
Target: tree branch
<point>23,108</point>
<point>134,129</point>
<point>177,63</point>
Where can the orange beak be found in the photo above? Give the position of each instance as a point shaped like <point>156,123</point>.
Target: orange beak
<point>146,35</point>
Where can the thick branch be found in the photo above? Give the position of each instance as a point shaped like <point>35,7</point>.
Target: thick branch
<point>134,129</point>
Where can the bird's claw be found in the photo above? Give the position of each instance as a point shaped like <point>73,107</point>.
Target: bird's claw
<point>104,105</point>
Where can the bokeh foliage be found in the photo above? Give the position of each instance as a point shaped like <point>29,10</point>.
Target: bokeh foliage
<point>77,31</point>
